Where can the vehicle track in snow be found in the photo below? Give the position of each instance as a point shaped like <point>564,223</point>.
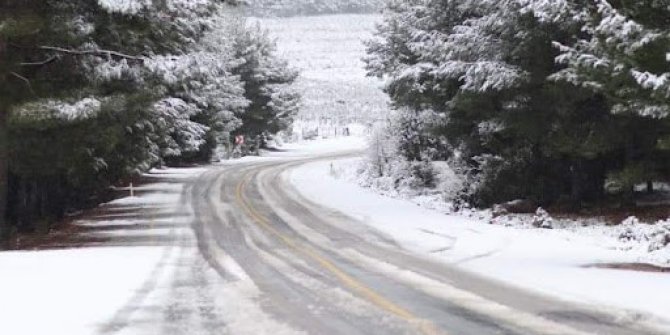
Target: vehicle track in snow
<point>323,272</point>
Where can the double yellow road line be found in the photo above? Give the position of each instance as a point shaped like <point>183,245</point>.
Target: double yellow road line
<point>426,327</point>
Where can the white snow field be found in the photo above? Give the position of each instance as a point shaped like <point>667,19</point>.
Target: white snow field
<point>328,52</point>
<point>75,291</point>
<point>69,290</point>
<point>546,261</point>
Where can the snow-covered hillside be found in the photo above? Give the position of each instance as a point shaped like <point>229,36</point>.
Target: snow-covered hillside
<point>328,51</point>
<point>311,7</point>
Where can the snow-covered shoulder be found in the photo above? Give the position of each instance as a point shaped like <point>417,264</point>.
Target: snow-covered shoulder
<point>119,250</point>
<point>549,261</point>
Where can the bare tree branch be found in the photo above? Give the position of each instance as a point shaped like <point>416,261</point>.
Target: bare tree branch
<point>24,79</point>
<point>95,52</point>
<point>42,63</point>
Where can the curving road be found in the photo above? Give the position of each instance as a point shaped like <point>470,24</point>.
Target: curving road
<point>318,271</point>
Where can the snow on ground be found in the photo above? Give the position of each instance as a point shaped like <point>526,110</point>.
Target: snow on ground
<point>548,261</point>
<point>68,289</point>
<point>75,291</point>
<point>78,291</point>
<point>306,149</point>
<point>327,146</point>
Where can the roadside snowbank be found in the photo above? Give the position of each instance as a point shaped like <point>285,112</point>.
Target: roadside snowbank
<point>306,149</point>
<point>77,291</point>
<point>326,146</point>
<point>550,261</point>
<point>69,291</point>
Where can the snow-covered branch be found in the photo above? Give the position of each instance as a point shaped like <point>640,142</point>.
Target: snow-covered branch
<point>92,52</point>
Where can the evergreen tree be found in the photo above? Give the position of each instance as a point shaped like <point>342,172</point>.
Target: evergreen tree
<point>507,79</point>
<point>267,83</point>
<point>470,63</point>
<point>621,54</point>
<point>85,63</point>
<point>34,35</point>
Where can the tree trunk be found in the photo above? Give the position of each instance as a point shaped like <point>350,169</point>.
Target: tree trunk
<point>576,192</point>
<point>21,206</point>
<point>4,176</point>
<point>650,187</point>
<point>4,148</point>
<point>629,190</point>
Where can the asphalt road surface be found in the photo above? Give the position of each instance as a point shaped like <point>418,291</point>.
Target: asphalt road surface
<point>313,270</point>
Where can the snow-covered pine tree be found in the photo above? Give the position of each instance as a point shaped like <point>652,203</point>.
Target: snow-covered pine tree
<point>202,94</point>
<point>267,82</point>
<point>28,29</point>
<point>468,61</point>
<point>84,63</point>
<point>483,66</point>
<point>623,54</point>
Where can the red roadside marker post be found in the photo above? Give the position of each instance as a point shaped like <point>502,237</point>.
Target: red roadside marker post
<point>239,139</point>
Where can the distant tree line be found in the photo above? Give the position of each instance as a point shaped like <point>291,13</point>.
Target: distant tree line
<point>93,93</point>
<point>562,102</point>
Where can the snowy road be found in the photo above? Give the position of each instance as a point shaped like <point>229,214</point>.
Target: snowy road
<point>286,265</point>
<point>236,249</point>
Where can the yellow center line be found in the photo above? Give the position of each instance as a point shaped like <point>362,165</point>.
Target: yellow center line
<point>426,327</point>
